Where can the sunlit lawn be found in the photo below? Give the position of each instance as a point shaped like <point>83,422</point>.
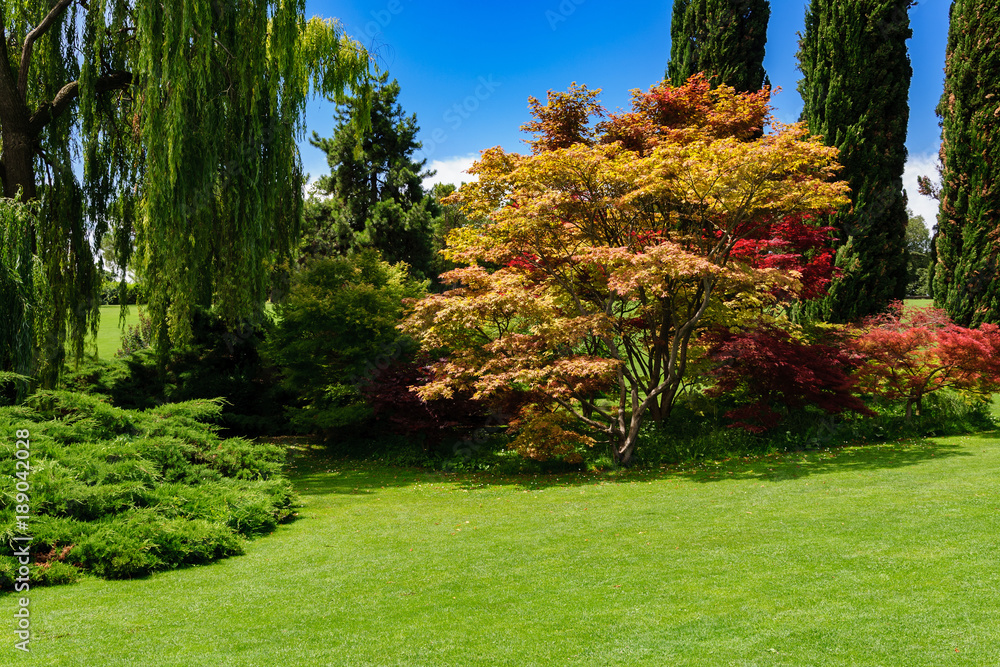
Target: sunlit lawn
<point>109,337</point>
<point>911,304</point>
<point>885,555</point>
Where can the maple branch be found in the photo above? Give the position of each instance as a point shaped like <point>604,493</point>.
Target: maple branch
<point>29,43</point>
<point>590,422</point>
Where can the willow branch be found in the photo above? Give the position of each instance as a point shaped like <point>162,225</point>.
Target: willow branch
<point>49,111</point>
<point>29,43</point>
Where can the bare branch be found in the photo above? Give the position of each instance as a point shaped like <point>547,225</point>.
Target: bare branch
<point>590,422</point>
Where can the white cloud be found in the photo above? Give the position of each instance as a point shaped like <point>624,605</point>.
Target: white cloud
<point>921,165</point>
<point>451,170</point>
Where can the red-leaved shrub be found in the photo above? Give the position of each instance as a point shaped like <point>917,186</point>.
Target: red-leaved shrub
<point>771,369</point>
<point>910,355</point>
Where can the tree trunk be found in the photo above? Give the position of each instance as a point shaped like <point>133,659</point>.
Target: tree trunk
<point>624,449</point>
<point>18,139</point>
<point>18,161</point>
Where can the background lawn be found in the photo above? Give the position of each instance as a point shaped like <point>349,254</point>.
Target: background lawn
<point>918,303</point>
<point>109,337</point>
<point>883,555</point>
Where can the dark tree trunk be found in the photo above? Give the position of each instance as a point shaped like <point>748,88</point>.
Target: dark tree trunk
<point>18,162</point>
<point>18,138</point>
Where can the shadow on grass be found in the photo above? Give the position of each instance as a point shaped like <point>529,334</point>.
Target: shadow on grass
<point>785,466</point>
<point>314,472</point>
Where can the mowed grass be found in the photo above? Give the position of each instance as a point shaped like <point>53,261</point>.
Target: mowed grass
<point>109,336</point>
<point>877,555</point>
<point>912,304</point>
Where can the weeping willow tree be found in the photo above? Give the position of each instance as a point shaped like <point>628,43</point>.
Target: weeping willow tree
<point>171,124</point>
<point>17,296</point>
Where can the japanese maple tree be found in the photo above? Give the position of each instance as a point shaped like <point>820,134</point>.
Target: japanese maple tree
<point>770,368</point>
<point>911,355</point>
<point>607,250</point>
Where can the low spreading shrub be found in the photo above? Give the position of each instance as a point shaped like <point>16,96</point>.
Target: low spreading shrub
<point>122,493</point>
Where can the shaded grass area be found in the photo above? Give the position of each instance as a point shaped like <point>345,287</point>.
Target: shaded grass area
<point>883,554</point>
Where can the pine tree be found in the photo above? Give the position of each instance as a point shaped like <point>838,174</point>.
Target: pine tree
<point>375,195</point>
<point>856,82</point>
<point>723,38</point>
<point>966,276</point>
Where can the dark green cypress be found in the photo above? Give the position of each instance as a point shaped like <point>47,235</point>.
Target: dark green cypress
<point>723,38</point>
<point>855,87</point>
<point>966,277</point>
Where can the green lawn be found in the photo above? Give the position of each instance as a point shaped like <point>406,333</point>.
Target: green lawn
<point>884,555</point>
<point>910,304</point>
<point>109,337</point>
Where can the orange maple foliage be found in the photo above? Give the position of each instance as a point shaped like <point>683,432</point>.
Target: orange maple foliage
<point>607,250</point>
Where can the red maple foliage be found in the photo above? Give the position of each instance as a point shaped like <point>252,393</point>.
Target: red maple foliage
<point>394,404</point>
<point>792,244</point>
<point>910,355</point>
<point>405,413</point>
<point>671,111</point>
<point>772,369</point>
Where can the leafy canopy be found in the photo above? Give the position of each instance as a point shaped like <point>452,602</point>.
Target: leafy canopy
<point>604,252</point>
<point>911,355</point>
<point>185,115</point>
<point>338,321</point>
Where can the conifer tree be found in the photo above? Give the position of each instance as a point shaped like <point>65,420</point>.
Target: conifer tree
<point>856,81</point>
<point>374,195</point>
<point>723,38</point>
<point>966,276</point>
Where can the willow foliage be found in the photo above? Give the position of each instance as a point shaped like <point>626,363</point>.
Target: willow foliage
<point>184,114</point>
<point>17,287</point>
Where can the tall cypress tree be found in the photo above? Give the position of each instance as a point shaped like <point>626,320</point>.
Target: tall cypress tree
<point>855,87</point>
<point>966,277</point>
<point>723,38</point>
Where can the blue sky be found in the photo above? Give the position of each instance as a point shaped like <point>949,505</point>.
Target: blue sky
<point>466,68</point>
